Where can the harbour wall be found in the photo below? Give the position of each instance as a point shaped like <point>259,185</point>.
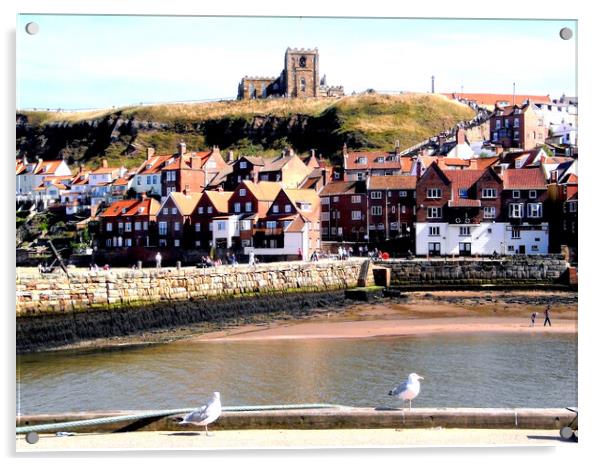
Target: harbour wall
<point>507,271</point>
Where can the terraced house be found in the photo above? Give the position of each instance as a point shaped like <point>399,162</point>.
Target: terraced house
<point>212,204</point>
<point>344,211</point>
<point>358,165</point>
<point>174,219</point>
<point>129,223</point>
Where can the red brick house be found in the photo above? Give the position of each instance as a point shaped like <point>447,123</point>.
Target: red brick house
<point>191,171</point>
<point>290,226</point>
<point>174,220</point>
<point>210,205</point>
<point>128,223</point>
<point>563,200</point>
<point>517,126</point>
<point>344,211</point>
<point>358,165</point>
<point>391,207</point>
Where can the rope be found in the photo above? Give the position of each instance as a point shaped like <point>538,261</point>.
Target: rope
<point>169,412</point>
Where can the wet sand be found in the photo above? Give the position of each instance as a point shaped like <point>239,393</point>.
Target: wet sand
<point>419,314</point>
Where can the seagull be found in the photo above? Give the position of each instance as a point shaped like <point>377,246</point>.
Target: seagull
<point>408,390</point>
<point>206,414</point>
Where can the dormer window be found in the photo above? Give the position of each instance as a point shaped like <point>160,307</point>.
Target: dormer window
<point>149,166</point>
<point>140,210</point>
<point>362,160</point>
<point>243,164</point>
<point>124,210</point>
<point>463,193</point>
<point>380,160</point>
<point>242,192</point>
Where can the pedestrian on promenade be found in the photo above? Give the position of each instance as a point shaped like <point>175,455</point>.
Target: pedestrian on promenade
<point>251,258</point>
<point>547,319</point>
<point>299,254</point>
<point>158,260</point>
<point>340,253</point>
<point>533,316</point>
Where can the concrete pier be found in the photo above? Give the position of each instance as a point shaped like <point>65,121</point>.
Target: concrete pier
<point>332,418</point>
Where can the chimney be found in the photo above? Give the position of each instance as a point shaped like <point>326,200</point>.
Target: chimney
<point>181,148</point>
<point>499,169</point>
<point>345,149</point>
<point>230,157</point>
<point>313,152</point>
<point>460,136</point>
<point>216,150</point>
<point>105,164</point>
<point>554,176</point>
<point>143,196</point>
<point>150,152</point>
<point>498,150</point>
<point>397,147</point>
<point>81,168</point>
<point>473,164</point>
<point>186,190</point>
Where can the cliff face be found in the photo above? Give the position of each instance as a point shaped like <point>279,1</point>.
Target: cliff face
<point>324,125</point>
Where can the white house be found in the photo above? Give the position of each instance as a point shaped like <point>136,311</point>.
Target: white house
<point>224,228</point>
<point>147,178</point>
<point>30,175</point>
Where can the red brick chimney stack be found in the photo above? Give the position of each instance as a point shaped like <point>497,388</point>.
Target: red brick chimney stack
<point>105,163</point>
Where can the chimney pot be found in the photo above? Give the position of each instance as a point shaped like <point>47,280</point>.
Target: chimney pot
<point>105,163</point>
<point>150,152</point>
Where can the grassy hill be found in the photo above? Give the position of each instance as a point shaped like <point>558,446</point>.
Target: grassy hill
<point>250,127</point>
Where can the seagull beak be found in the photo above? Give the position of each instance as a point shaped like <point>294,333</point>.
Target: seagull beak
<point>420,377</point>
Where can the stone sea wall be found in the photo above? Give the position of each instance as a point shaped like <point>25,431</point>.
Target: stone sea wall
<point>511,270</point>
<point>84,290</point>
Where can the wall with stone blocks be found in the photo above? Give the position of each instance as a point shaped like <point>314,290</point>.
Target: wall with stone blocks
<point>85,290</point>
<point>512,270</point>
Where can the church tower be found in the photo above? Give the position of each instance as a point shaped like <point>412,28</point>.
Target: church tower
<point>301,73</point>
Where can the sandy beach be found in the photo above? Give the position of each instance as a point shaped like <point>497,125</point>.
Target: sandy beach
<point>419,314</point>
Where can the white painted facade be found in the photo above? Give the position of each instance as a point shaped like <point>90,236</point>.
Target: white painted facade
<point>27,181</point>
<point>555,113</point>
<point>293,241</point>
<point>484,238</point>
<point>225,228</point>
<point>147,183</point>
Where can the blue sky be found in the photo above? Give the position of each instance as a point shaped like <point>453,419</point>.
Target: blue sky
<point>102,61</point>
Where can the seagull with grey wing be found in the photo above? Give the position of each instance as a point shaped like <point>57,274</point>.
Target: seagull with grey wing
<point>206,414</point>
<point>408,390</point>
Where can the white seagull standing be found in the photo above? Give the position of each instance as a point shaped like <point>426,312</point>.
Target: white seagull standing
<point>206,414</point>
<point>408,390</point>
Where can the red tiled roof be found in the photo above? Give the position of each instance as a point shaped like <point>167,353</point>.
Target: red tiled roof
<point>49,166</point>
<point>154,164</point>
<point>524,178</point>
<point>492,99</point>
<point>390,161</point>
<point>20,167</point>
<point>463,179</point>
<point>392,182</point>
<point>572,179</point>
<point>341,187</point>
<point>149,206</point>
<point>185,161</point>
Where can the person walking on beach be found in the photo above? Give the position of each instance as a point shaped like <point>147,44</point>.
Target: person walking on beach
<point>547,319</point>
<point>533,316</point>
<point>158,260</point>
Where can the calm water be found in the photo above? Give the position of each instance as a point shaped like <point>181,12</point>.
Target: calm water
<point>459,370</point>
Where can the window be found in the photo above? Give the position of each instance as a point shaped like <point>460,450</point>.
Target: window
<point>237,207</point>
<point>201,210</point>
<point>433,193</point>
<point>245,225</point>
<point>434,231</point>
<point>197,227</point>
<point>377,210</point>
<point>109,227</point>
<point>209,209</point>
<point>356,199</point>
<point>145,225</point>
<point>265,177</point>
<point>276,209</point>
<point>433,212</point>
<point>337,175</point>
<point>534,210</point>
<point>248,207</point>
<point>221,226</point>
<point>376,195</point>
<point>498,123</point>
<point>516,135</point>
<point>516,122</point>
<point>128,226</point>
<point>137,226</point>
<point>362,160</point>
<point>138,181</point>
<point>128,242</point>
<point>271,224</point>
<point>243,164</point>
<point>242,192</point>
<point>176,226</point>
<point>197,244</point>
<point>380,160</point>
<point>108,243</point>
<point>165,211</point>
<point>464,231</point>
<point>532,194</point>
<point>516,233</point>
<point>302,83</point>
<point>356,215</point>
<point>515,194</point>
<point>392,209</point>
<point>154,179</point>
<point>305,207</point>
<point>463,193</point>
<point>174,211</point>
<point>325,201</point>
<point>335,199</point>
<point>534,247</point>
<point>162,228</point>
<point>572,206</point>
<point>403,209</point>
<point>324,216</point>
<point>211,226</point>
<point>516,211</point>
<point>403,193</point>
<point>489,212</point>
<point>287,208</point>
<point>489,193</point>
<point>149,179</point>
<point>176,243</point>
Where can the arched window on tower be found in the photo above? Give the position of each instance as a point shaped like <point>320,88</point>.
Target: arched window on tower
<point>302,62</point>
<point>252,94</point>
<point>302,84</point>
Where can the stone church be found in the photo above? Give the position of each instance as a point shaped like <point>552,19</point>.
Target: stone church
<point>300,78</point>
